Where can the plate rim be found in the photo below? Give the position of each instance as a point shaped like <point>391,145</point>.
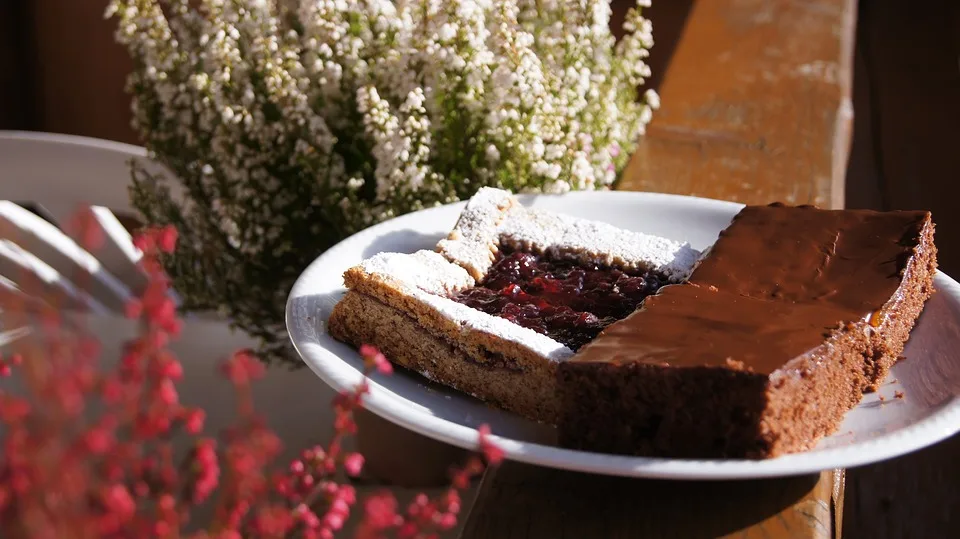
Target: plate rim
<point>935,428</point>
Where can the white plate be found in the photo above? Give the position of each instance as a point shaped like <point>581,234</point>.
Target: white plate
<point>873,431</point>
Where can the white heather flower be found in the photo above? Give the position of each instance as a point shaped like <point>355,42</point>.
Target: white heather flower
<point>652,98</point>
<point>328,116</point>
<point>557,187</point>
<point>355,183</point>
<point>493,154</point>
<point>581,173</point>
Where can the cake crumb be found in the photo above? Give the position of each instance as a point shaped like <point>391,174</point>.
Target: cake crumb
<point>881,397</point>
<point>898,395</point>
<point>735,364</point>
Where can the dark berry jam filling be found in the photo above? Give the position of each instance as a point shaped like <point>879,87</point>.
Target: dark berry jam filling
<point>567,300</point>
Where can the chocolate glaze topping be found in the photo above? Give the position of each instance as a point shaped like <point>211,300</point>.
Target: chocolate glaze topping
<point>775,285</point>
<point>686,325</point>
<point>848,258</point>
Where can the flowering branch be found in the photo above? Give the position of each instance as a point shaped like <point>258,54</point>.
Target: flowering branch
<point>92,452</point>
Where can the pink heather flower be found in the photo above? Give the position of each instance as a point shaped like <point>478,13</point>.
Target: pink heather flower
<point>133,308</point>
<point>353,463</point>
<point>343,422</point>
<point>273,521</point>
<point>170,368</point>
<point>333,521</point>
<point>460,480</point>
<point>193,420</point>
<point>492,453</point>
<point>5,370</point>
<point>243,368</point>
<point>309,519</point>
<point>144,242</point>
<point>348,494</point>
<point>99,440</point>
<point>372,358</point>
<point>167,393</point>
<point>447,521</point>
<point>117,499</point>
<point>237,513</point>
<point>380,513</point>
<point>614,149</point>
<point>341,507</point>
<point>206,470</point>
<point>407,530</point>
<point>147,494</point>
<point>330,489</point>
<point>84,225</point>
<point>384,366</point>
<point>167,238</point>
<point>452,501</point>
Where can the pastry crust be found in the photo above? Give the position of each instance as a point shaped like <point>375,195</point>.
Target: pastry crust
<point>493,218</point>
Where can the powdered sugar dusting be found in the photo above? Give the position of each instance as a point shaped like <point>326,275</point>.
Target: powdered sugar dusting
<point>424,270</point>
<point>473,242</point>
<point>473,320</point>
<point>494,217</point>
<point>429,278</point>
<point>539,231</point>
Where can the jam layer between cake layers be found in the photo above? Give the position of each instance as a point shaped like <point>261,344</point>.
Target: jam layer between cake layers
<point>571,301</point>
<point>782,325</point>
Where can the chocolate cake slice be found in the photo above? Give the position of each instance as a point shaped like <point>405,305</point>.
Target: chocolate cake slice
<point>509,295</point>
<point>782,325</point>
<point>876,265</point>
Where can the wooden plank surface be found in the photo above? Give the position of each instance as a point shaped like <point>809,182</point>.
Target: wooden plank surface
<point>756,104</point>
<point>80,70</point>
<point>519,501</point>
<point>16,81</point>
<point>756,108</point>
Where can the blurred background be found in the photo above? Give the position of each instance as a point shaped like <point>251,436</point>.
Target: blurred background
<point>60,71</point>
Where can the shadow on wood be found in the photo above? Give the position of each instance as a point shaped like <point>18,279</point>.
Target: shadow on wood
<point>905,157</point>
<point>526,501</point>
<point>669,18</point>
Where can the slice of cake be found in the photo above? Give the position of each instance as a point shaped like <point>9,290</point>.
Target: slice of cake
<point>876,265</point>
<point>510,294</point>
<point>787,319</point>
